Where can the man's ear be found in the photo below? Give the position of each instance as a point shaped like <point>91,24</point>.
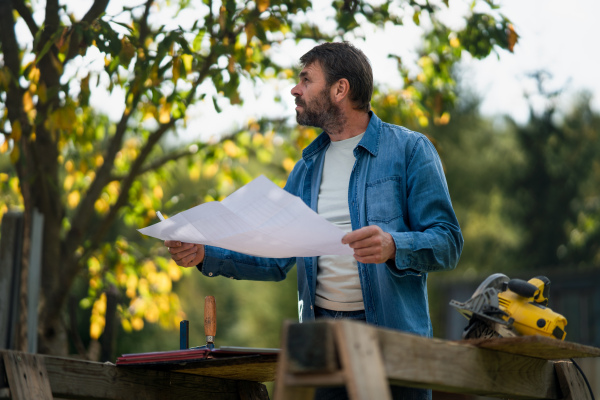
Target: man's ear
<point>341,89</point>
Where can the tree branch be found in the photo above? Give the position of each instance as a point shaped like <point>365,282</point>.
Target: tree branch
<point>144,23</point>
<point>95,11</point>
<point>52,20</point>
<point>156,164</point>
<point>126,185</point>
<point>25,13</point>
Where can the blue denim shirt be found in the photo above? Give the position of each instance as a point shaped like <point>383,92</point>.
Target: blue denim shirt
<point>397,183</point>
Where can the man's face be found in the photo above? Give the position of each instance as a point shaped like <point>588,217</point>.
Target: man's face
<point>314,106</point>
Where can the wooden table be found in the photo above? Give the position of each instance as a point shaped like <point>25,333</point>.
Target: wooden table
<point>367,360</point>
<point>34,376</point>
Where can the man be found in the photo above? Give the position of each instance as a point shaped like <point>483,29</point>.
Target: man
<point>381,183</point>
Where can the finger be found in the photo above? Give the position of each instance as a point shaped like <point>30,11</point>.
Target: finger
<point>368,251</point>
<point>360,234</point>
<point>178,254</point>
<point>183,250</point>
<point>172,243</point>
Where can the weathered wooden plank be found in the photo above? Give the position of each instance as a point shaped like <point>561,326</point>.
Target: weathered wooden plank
<point>361,360</point>
<point>284,389</point>
<point>27,376</point>
<point>537,346</point>
<point>75,379</point>
<point>571,384</point>
<point>416,361</point>
<point>306,346</point>
<point>255,368</point>
<point>457,367</point>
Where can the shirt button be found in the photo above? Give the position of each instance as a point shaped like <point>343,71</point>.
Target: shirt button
<point>210,274</point>
<point>311,307</point>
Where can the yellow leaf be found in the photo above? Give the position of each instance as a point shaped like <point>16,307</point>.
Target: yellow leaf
<point>176,63</point>
<point>262,5</point>
<point>288,164</point>
<point>73,199</point>
<point>210,171</point>
<point>513,37</point>
<point>94,265</point>
<point>151,313</point>
<point>27,102</point>
<point>187,62</point>
<point>174,271</point>
<point>194,172</point>
<point>231,149</point>
<point>14,155</point>
<point>454,42</point>
<point>68,184</point>
<point>100,305</point>
<point>164,114</point>
<point>34,74</point>
<point>4,146</point>
<point>158,192</point>
<point>95,330</point>
<point>42,92</point>
<point>137,323</point>
<point>101,206</point>
<point>16,130</point>
<point>126,325</point>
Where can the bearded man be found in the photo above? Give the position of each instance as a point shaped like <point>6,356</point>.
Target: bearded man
<point>382,184</point>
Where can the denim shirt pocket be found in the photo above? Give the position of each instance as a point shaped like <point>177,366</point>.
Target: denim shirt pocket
<point>383,200</point>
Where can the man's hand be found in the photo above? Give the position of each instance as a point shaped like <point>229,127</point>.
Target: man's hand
<point>371,245</point>
<point>185,254</point>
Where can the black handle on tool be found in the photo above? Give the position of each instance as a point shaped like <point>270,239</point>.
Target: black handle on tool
<point>184,335</point>
<point>210,320</point>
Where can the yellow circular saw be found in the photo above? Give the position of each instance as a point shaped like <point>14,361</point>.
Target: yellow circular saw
<point>504,307</point>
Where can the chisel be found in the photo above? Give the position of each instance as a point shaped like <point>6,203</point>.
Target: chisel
<point>210,321</point>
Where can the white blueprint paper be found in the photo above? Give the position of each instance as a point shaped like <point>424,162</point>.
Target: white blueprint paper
<point>259,219</point>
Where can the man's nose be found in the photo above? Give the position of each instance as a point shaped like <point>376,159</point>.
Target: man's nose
<point>296,91</point>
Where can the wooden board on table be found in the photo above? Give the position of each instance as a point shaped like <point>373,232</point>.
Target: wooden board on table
<point>542,347</point>
<point>256,368</point>
<point>249,367</point>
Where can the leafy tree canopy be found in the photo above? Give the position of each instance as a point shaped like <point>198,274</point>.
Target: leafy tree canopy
<point>96,180</point>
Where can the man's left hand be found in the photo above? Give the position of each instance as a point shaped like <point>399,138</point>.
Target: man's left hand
<point>371,245</point>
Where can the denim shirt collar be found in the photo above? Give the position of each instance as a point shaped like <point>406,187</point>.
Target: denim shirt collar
<point>369,142</point>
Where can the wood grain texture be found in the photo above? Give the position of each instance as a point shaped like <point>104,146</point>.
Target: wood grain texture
<point>571,383</point>
<point>536,346</point>
<point>361,360</point>
<point>510,368</point>
<point>249,368</point>
<point>416,361</point>
<point>76,379</point>
<point>27,376</point>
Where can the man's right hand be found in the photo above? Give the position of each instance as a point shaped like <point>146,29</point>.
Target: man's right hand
<point>185,254</point>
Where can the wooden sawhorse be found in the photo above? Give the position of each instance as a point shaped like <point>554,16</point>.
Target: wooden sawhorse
<point>367,360</point>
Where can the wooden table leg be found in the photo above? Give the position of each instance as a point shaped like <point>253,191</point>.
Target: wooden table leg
<point>27,376</point>
<point>571,381</point>
<point>361,361</point>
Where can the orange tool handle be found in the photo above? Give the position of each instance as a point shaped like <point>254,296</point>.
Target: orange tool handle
<point>210,316</point>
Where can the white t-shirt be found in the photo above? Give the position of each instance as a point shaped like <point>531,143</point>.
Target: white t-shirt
<point>338,284</point>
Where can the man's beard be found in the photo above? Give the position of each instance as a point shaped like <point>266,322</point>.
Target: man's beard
<point>321,113</point>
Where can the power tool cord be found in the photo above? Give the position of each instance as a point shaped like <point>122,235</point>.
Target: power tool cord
<point>584,378</point>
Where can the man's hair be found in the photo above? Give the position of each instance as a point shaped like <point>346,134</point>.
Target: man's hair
<point>343,60</point>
